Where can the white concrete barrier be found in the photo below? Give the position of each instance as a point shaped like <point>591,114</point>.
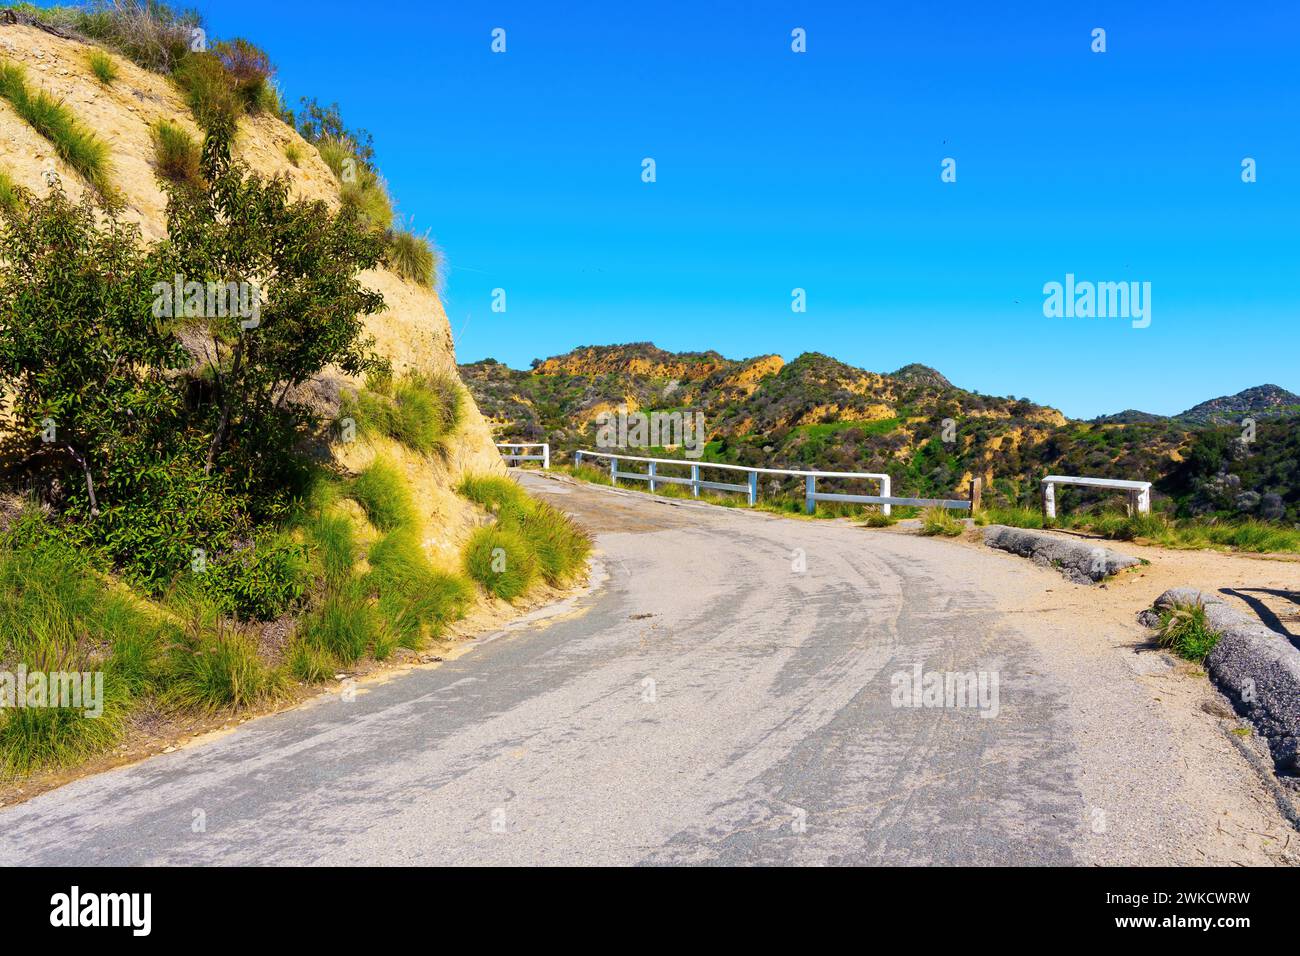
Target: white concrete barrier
<point>1139,492</point>
<point>516,457</point>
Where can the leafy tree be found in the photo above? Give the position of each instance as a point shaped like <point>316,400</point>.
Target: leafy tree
<point>303,261</point>
<point>88,369</point>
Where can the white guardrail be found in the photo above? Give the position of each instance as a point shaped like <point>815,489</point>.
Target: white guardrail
<point>750,488</point>
<point>1139,492</point>
<point>516,457</point>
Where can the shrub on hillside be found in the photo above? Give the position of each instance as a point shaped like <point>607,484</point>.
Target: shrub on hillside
<point>148,32</point>
<point>250,71</point>
<point>210,92</point>
<point>500,559</point>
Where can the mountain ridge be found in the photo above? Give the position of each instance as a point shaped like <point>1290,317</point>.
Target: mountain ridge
<point>815,411</point>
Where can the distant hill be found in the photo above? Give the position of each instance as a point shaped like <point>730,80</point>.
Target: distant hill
<point>1130,416</point>
<point>932,437</point>
<point>922,375</point>
<point>1262,401</point>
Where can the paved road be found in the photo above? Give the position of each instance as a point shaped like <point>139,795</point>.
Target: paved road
<point>714,703</point>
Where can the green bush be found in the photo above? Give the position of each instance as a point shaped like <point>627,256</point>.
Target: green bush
<point>293,153</point>
<point>260,582</point>
<point>176,154</point>
<point>77,146</point>
<point>382,493</point>
<point>501,560</point>
<point>102,65</point>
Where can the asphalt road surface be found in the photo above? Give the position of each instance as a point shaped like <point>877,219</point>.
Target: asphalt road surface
<point>728,695</point>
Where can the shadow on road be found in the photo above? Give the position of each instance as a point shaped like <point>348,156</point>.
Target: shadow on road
<point>1265,613</point>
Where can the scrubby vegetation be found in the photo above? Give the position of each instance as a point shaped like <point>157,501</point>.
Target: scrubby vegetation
<point>186,535</point>
<point>221,83</point>
<point>52,119</point>
<point>383,495</point>
<point>1159,529</point>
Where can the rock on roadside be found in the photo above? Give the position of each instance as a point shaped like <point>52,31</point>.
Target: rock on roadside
<point>1079,561</point>
<point>1257,668</point>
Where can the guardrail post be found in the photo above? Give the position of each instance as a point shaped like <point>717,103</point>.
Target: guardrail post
<point>695,480</point>
<point>577,459</point>
<point>546,456</point>
<point>1144,501</point>
<point>753,488</point>
<point>1049,500</point>
<point>884,493</point>
<point>976,490</point>
<point>810,492</point>
<point>613,471</point>
<point>653,472</point>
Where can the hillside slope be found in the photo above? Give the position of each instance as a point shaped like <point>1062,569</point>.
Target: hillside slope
<point>413,332</point>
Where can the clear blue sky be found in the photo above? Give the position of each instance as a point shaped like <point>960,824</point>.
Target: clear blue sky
<point>821,170</point>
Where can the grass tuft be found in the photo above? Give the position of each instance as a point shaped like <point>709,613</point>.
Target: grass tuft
<point>176,154</point>
<point>382,493</point>
<point>293,153</point>
<point>10,196</point>
<point>413,258</point>
<point>209,91</point>
<point>420,411</point>
<point>941,521</point>
<point>75,144</point>
<point>1184,630</point>
<point>500,559</point>
<point>344,626</point>
<point>557,547</point>
<point>103,66</point>
<point>415,600</point>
